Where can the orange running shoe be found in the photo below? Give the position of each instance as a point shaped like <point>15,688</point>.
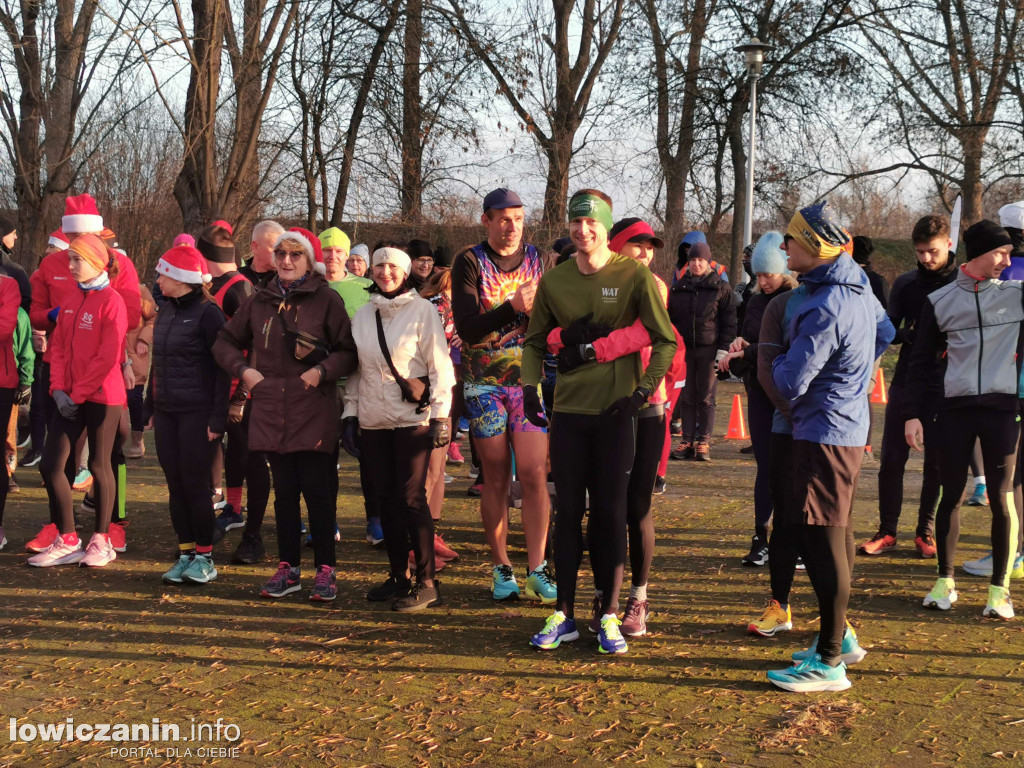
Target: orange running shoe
<point>45,538</point>
<point>879,543</point>
<point>925,545</point>
<point>117,537</point>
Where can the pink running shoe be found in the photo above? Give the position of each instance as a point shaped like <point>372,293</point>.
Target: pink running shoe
<point>59,553</point>
<point>99,552</point>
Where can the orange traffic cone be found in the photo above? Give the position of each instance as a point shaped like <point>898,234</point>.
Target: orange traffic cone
<point>737,424</point>
<point>879,395</point>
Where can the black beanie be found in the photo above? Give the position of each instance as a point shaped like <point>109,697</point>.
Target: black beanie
<point>419,249</point>
<point>863,247</point>
<point>7,225</point>
<point>984,236</point>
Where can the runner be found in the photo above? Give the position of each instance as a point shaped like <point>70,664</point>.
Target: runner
<point>837,332</point>
<point>974,326</point>
<point>493,289</point>
<point>357,258</point>
<point>261,248</point>
<point>595,410</point>
<point>10,301</point>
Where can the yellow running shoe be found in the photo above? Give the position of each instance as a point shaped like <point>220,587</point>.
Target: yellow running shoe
<point>775,619</point>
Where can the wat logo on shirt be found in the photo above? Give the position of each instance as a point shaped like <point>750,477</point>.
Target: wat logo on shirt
<point>610,295</point>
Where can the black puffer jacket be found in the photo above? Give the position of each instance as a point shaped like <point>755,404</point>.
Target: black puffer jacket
<point>746,366</point>
<point>703,310</point>
<point>906,300</point>
<point>185,375</point>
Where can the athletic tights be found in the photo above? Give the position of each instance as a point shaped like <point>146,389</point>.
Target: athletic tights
<point>185,453</point>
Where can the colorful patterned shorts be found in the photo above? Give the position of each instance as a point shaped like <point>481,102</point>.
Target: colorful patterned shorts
<point>496,410</point>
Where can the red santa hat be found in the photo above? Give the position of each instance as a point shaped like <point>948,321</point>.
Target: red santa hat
<point>310,244</point>
<point>81,215</point>
<point>184,264</point>
<point>59,240</point>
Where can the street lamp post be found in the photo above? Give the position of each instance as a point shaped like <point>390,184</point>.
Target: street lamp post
<point>753,54</point>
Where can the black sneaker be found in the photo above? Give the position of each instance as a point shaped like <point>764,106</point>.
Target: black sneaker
<point>250,550</point>
<point>419,598</point>
<point>758,554</point>
<point>747,450</point>
<point>659,486</point>
<point>30,459</point>
<point>684,452</point>
<point>390,589</point>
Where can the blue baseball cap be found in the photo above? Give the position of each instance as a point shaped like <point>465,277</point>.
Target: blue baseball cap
<point>502,198</point>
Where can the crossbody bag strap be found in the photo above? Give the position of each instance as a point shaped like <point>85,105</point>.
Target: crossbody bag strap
<point>384,350</point>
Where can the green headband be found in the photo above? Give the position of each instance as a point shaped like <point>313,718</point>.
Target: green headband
<point>591,207</point>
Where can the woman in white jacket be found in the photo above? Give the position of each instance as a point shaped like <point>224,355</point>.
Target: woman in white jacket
<point>396,411</point>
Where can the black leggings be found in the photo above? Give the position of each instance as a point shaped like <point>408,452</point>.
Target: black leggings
<point>784,544</point>
<point>828,554</point>
<point>998,432</point>
<point>591,453</point>
<point>250,467</point>
<point>650,439</point>
<point>100,423</point>
<point>760,413</point>
<point>185,454</point>
<point>304,473</point>
<point>698,396</point>
<point>6,404</point>
<point>397,461</point>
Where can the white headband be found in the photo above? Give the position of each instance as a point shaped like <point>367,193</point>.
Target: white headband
<point>393,256</point>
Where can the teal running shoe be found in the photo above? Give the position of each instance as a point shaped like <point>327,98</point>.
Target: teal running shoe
<point>173,576</point>
<point>1017,572</point>
<point>557,630</point>
<point>200,570</point>
<point>810,675</point>
<point>979,498</point>
<point>540,585</point>
<point>851,650</point>
<point>610,639</point>
<point>504,585</point>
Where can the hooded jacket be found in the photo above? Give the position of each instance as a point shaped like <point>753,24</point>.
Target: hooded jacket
<point>10,301</point>
<point>288,417</point>
<point>416,343</point>
<point>906,300</point>
<point>702,310</point>
<point>836,334</point>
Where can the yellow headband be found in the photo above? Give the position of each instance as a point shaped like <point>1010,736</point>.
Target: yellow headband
<point>802,232</point>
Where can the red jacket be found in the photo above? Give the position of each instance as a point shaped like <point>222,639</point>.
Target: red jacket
<point>87,347</point>
<point>10,299</point>
<point>52,282</point>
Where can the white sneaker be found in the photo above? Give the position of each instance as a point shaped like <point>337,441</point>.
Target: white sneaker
<point>99,552</point>
<point>980,567</point>
<point>58,553</point>
<point>999,604</point>
<point>942,595</point>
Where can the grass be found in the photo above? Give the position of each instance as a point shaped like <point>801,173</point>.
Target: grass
<point>354,684</point>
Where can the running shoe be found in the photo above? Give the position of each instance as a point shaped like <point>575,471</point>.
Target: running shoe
<point>540,584</point>
<point>99,553</point>
<point>942,596</point>
<point>850,650</point>
<point>439,564</point>
<point>374,532</point>
<point>683,452</point>
<point>83,480</point>
<point>284,581</point>
<point>250,550</point>
<point>702,451</point>
<point>474,471</point>
<point>200,570</point>
<point>747,450</point>
<point>877,544</point>
<point>337,536</point>
<point>504,585</point>
<point>443,551</point>
<point>325,585</point>
<point>634,620</point>
<point>419,598</point>
<point>758,554</point>
<point>228,519</point>
<point>610,639</point>
<point>23,443</point>
<point>557,630</point>
<point>925,545</point>
<point>30,459</point>
<point>1017,572</point>
<point>395,586</point>
<point>463,424</point>
<point>455,457</point>
<point>800,564</point>
<point>3,539</point>
<point>58,553</point>
<point>118,540</point>
<point>811,675</point>
<point>595,615</point>
<point>43,539</point>
<point>979,498</point>
<point>980,567</point>
<point>475,490</point>
<point>448,479</point>
<point>999,605</point>
<point>775,619</point>
<point>173,576</point>
<point>219,501</point>
<point>659,486</point>
<point>675,427</point>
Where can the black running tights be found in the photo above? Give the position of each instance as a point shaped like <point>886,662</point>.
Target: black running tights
<point>828,553</point>
<point>185,453</point>
<point>650,440</point>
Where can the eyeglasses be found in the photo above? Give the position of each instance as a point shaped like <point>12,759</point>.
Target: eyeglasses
<point>293,255</point>
<point>424,260</point>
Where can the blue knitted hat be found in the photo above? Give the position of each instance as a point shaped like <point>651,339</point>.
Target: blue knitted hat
<point>768,257</point>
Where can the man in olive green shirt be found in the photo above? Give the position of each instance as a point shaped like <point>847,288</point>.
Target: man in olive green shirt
<point>593,425</point>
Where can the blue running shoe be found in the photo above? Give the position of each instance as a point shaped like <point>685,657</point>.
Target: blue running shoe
<point>504,585</point>
<point>610,639</point>
<point>374,532</point>
<point>811,675</point>
<point>540,584</point>
<point>228,519</point>
<point>852,652</point>
<point>557,630</point>
<point>463,424</point>
<point>337,536</point>
<point>980,496</point>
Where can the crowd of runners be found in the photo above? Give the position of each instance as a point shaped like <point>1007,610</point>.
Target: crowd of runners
<point>568,368</point>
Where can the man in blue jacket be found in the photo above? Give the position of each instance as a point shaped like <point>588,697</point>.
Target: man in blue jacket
<point>836,335</point>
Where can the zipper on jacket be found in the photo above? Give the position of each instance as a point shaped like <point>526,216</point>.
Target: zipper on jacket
<point>981,334</point>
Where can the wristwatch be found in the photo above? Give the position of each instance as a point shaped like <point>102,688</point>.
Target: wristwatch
<point>589,353</point>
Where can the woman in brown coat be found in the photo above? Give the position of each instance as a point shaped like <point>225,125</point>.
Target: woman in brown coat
<point>299,342</point>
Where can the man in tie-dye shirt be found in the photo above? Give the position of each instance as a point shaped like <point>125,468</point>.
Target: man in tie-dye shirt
<point>493,285</point>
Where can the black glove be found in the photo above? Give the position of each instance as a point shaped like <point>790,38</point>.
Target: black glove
<point>65,404</point>
<point>23,395</point>
<point>582,331</point>
<point>440,436</point>
<point>532,407</point>
<point>350,436</point>
<point>570,358</point>
<point>627,407</point>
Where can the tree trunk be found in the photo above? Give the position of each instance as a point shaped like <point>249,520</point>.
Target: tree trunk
<point>556,189</point>
<point>412,114</point>
<point>973,146</point>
